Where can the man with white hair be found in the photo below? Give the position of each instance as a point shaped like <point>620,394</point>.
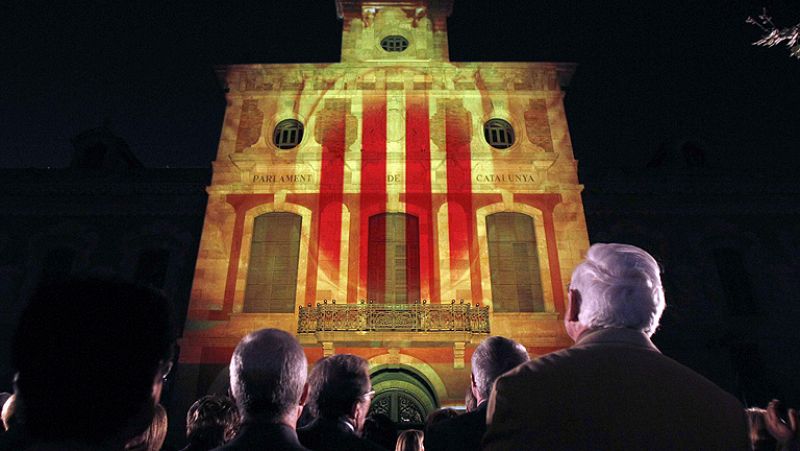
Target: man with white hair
<point>268,382</point>
<point>613,389</point>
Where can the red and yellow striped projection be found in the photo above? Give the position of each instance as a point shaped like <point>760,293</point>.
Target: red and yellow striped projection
<point>391,185</point>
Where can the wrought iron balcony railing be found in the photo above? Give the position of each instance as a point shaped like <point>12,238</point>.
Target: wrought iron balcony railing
<point>417,317</point>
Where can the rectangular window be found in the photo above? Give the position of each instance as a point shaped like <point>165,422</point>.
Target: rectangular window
<point>274,256</point>
<point>514,263</point>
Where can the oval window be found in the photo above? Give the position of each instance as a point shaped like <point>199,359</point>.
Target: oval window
<point>394,43</point>
<point>498,133</point>
<point>288,134</point>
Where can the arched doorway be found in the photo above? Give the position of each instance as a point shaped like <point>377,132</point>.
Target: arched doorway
<point>403,395</point>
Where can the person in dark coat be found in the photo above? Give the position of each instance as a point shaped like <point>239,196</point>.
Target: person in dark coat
<point>613,389</point>
<point>493,357</point>
<point>268,383</point>
<point>340,394</point>
<point>92,355</point>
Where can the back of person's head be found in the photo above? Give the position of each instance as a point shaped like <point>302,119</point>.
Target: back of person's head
<point>410,440</point>
<point>152,439</point>
<point>619,287</point>
<point>268,373</point>
<point>493,357</point>
<point>90,356</point>
<point>211,422</point>
<point>439,415</point>
<point>380,429</point>
<point>336,384</point>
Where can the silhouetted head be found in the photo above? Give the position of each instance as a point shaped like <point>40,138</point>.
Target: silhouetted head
<point>380,429</point>
<point>211,421</point>
<point>90,356</point>
<point>493,357</point>
<point>268,376</point>
<point>439,415</point>
<point>340,388</point>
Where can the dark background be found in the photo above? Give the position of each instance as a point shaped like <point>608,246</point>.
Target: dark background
<point>649,72</point>
<point>652,77</point>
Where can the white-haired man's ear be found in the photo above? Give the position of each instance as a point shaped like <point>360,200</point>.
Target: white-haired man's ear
<point>571,322</point>
<point>304,396</point>
<point>474,388</point>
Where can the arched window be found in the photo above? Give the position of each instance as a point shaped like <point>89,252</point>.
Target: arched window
<point>274,255</point>
<point>514,263</point>
<point>393,259</point>
<point>403,396</point>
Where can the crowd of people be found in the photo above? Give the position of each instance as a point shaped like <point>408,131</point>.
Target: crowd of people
<point>92,356</point>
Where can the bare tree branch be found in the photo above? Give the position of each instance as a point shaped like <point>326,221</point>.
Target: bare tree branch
<point>774,35</point>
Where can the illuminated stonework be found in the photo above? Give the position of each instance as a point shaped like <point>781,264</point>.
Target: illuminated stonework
<point>391,185</point>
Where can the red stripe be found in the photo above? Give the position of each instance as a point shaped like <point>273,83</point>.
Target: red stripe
<point>418,186</point>
<point>372,264</point>
<point>376,284</point>
<point>459,193</point>
<point>412,258</point>
<point>331,195</point>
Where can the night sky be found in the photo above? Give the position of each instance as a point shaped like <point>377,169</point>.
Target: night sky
<point>650,72</point>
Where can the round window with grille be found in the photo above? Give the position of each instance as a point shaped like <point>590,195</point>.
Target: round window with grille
<point>394,43</point>
<point>498,133</point>
<point>288,134</point>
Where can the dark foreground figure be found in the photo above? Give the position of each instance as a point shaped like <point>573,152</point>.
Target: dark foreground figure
<point>91,356</point>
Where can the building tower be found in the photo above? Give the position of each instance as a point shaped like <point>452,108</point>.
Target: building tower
<point>394,205</point>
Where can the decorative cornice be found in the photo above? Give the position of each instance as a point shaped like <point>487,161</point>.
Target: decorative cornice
<point>266,79</point>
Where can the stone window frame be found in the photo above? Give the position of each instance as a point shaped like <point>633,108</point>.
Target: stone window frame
<point>282,136</point>
<point>534,270</point>
<point>395,43</point>
<point>501,126</point>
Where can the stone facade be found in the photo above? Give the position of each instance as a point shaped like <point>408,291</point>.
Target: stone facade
<point>387,132</point>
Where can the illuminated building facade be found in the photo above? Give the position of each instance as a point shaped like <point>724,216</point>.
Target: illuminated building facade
<point>394,205</point>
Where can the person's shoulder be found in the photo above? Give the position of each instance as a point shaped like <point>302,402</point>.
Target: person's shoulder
<point>264,437</point>
<point>543,364</point>
<point>320,435</point>
<point>698,383</point>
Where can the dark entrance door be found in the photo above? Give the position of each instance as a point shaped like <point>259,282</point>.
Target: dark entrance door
<point>403,395</point>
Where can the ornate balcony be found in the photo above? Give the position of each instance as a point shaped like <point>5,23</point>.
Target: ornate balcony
<point>417,317</point>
